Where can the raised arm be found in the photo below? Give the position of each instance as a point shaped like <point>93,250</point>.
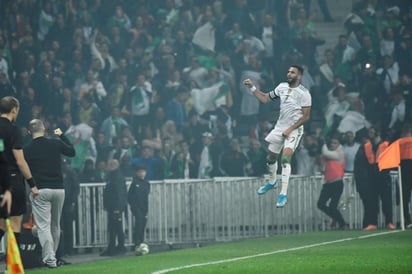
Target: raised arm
<point>261,96</point>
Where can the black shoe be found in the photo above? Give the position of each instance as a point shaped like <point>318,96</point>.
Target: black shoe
<point>121,250</point>
<point>108,252</point>
<point>60,262</point>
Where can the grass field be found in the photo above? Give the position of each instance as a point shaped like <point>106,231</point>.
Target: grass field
<point>352,252</point>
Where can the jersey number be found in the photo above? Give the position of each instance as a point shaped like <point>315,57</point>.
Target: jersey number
<point>287,96</point>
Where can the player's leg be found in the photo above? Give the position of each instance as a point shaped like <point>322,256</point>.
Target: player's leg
<point>291,143</point>
<point>275,145</point>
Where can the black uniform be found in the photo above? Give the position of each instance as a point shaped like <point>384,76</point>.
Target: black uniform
<point>372,185</point>
<point>138,197</point>
<point>12,138</point>
<point>115,202</point>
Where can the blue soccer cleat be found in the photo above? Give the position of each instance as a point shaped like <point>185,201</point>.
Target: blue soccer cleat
<point>282,200</point>
<point>266,187</point>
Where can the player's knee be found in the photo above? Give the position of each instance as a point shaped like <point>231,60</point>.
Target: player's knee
<point>270,160</point>
<point>286,159</point>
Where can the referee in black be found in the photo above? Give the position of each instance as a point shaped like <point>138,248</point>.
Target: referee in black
<point>5,190</point>
<point>17,166</point>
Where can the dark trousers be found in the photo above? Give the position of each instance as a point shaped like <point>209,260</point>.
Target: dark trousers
<point>377,187</point>
<point>66,224</point>
<point>406,167</point>
<point>115,225</point>
<point>331,192</point>
<point>384,194</point>
<point>370,207</point>
<point>140,220</point>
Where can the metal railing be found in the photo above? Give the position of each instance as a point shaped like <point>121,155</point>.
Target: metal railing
<point>220,210</point>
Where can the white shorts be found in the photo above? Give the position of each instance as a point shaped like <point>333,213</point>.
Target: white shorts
<point>277,141</point>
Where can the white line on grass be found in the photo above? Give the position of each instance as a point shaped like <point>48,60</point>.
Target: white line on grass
<point>270,253</point>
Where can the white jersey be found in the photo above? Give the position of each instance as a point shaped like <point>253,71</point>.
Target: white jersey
<point>291,102</point>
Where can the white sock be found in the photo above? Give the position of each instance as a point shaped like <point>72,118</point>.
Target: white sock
<point>286,169</point>
<point>273,169</point>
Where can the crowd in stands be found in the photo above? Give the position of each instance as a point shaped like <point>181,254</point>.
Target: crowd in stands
<point>159,82</point>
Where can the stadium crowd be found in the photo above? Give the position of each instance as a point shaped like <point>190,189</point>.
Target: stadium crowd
<point>160,82</point>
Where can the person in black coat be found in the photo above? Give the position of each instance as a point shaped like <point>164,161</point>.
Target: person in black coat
<point>115,202</point>
<point>72,190</point>
<point>138,198</point>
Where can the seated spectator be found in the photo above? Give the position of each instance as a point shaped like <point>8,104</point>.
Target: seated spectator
<point>183,165</point>
<point>307,156</point>
<point>170,132</point>
<point>233,162</point>
<point>257,157</point>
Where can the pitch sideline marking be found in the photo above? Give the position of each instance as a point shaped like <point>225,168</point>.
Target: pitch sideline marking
<point>271,253</point>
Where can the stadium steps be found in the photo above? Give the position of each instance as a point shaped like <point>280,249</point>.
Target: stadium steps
<point>330,31</point>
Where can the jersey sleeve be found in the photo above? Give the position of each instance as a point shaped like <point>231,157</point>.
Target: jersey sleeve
<point>306,100</point>
<point>274,94</point>
<point>17,139</point>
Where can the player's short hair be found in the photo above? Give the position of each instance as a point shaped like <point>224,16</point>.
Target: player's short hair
<point>299,68</point>
<point>8,103</point>
<point>36,125</point>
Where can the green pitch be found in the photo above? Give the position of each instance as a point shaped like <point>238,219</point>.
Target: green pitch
<point>381,251</point>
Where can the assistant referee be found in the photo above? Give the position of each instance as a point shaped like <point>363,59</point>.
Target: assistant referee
<point>17,165</point>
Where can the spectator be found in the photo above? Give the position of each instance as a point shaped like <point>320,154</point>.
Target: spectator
<point>138,198</point>
<point>167,155</point>
<point>136,103</point>
<point>115,202</point>
<point>350,148</point>
<point>372,184</point>
<point>88,174</point>
<point>344,58</point>
<point>183,165</point>
<point>332,188</point>
<point>175,108</point>
<point>389,73</point>
<point>112,125</point>
<point>205,158</point>
<point>398,111</point>
<point>151,162</point>
<point>233,162</point>
<point>71,193</point>
<point>89,112</point>
<point>256,154</point>
<point>307,156</point>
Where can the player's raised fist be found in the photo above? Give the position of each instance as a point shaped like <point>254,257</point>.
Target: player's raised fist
<point>248,83</point>
<point>58,131</point>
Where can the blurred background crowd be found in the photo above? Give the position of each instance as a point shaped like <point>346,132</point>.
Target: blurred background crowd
<point>159,82</point>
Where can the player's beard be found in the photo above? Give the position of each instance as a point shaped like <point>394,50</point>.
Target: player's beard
<point>292,81</point>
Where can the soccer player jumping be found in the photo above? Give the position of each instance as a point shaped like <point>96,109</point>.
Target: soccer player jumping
<point>295,105</point>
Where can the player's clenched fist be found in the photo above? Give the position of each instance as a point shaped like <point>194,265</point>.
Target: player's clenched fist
<point>248,83</point>
<point>58,131</point>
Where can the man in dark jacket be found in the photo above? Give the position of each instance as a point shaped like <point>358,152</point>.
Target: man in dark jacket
<point>115,202</point>
<point>138,197</point>
<point>43,155</point>
<point>71,189</point>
